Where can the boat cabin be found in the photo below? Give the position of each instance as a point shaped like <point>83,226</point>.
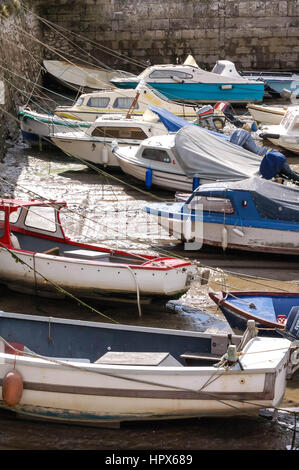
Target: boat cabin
<point>39,219</point>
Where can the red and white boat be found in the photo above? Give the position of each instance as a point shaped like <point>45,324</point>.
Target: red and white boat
<point>36,257</point>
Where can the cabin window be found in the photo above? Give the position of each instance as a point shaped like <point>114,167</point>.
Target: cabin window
<point>169,74</point>
<point>119,132</point>
<point>13,216</point>
<point>42,218</point>
<point>97,102</point>
<point>218,68</point>
<point>79,101</point>
<point>157,155</point>
<point>2,223</point>
<point>211,204</point>
<point>124,103</point>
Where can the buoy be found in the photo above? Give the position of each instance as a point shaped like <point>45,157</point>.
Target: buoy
<point>148,178</point>
<point>238,232</point>
<point>224,238</point>
<point>187,229</point>
<point>195,183</point>
<point>105,157</point>
<point>12,388</point>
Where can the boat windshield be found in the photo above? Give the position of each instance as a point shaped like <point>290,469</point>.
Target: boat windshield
<point>169,74</point>
<point>42,218</point>
<point>287,119</point>
<point>124,103</point>
<point>211,204</point>
<point>79,101</point>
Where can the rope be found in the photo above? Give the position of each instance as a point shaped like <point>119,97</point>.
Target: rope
<point>56,286</point>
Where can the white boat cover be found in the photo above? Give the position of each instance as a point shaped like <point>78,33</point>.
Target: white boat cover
<point>205,155</point>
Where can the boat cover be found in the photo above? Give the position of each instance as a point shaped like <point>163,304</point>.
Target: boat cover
<point>272,200</point>
<point>206,155</point>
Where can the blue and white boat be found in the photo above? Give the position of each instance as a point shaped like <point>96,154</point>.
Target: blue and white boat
<point>253,214</point>
<point>271,311</point>
<point>188,82</point>
<point>275,82</point>
<point>92,373</point>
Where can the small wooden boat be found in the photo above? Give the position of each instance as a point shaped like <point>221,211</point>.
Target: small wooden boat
<point>79,372</point>
<point>94,144</point>
<point>285,134</point>
<point>49,263</point>
<point>271,311</point>
<point>264,114</point>
<point>90,106</point>
<point>253,215</point>
<point>37,128</point>
<point>79,76</point>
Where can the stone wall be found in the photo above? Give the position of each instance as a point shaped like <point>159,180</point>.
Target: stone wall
<point>255,34</point>
<point>20,58</point>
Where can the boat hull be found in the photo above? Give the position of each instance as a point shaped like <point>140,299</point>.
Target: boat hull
<point>97,394</point>
<point>203,92</point>
<point>240,237</point>
<point>262,307</point>
<point>266,115</point>
<point>40,273</point>
<point>95,151</point>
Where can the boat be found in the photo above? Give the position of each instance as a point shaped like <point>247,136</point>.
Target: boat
<point>94,144</point>
<point>189,83</point>
<point>98,374</point>
<point>265,114</point>
<point>36,257</point>
<point>275,82</point>
<point>90,106</point>
<point>185,158</point>
<point>253,214</point>
<point>271,311</point>
<point>285,134</point>
<point>36,128</point>
<point>81,77</point>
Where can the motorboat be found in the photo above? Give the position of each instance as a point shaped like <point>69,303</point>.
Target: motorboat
<point>188,82</point>
<point>36,128</point>
<point>185,158</point>
<point>90,106</point>
<point>285,134</point>
<point>253,214</point>
<point>81,76</point>
<point>271,311</point>
<point>94,144</point>
<point>275,82</point>
<point>36,257</point>
<point>93,373</point>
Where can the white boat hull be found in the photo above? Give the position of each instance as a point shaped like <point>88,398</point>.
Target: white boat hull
<point>236,237</point>
<point>94,393</point>
<point>88,279</point>
<point>163,179</point>
<point>266,114</point>
<point>97,151</point>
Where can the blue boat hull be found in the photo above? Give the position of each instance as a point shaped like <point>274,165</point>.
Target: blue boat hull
<point>262,307</point>
<point>204,92</point>
<point>279,86</point>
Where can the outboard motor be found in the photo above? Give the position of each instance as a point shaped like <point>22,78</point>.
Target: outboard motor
<point>292,325</point>
<point>210,119</point>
